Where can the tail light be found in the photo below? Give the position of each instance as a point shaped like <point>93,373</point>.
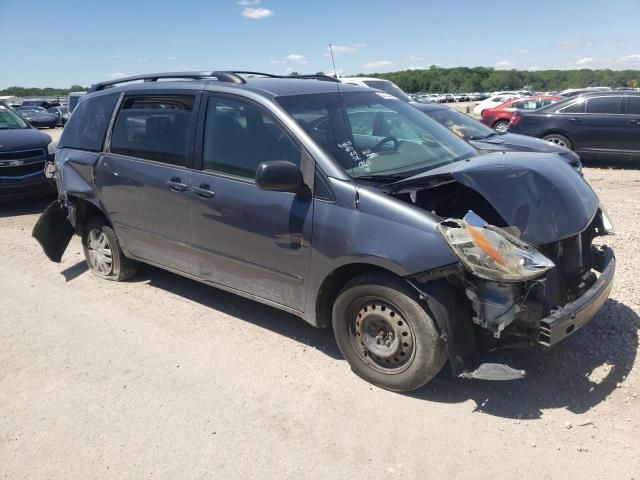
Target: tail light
<point>515,120</point>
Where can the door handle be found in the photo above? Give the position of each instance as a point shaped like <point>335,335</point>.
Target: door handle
<point>176,185</point>
<point>574,120</point>
<point>203,191</point>
<point>634,121</point>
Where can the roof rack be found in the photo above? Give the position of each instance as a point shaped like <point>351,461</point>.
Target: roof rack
<point>230,77</point>
<point>222,76</point>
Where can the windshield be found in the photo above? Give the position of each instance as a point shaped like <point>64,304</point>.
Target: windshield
<point>389,87</point>
<point>460,124</point>
<point>9,120</point>
<point>371,134</point>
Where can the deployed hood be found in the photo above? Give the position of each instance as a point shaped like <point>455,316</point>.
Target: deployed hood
<point>23,139</point>
<point>546,199</point>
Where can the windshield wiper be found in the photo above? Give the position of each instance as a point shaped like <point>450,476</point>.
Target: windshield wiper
<point>382,178</point>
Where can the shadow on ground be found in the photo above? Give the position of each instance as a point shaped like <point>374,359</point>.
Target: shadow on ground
<point>577,374</point>
<point>25,207</point>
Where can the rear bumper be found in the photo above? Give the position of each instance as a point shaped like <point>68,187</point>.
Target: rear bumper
<point>573,316</point>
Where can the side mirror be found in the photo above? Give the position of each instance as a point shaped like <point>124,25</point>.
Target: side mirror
<point>279,176</point>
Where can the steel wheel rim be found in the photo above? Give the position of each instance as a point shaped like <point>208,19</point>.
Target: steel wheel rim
<point>381,336</point>
<point>99,249</point>
<point>501,127</point>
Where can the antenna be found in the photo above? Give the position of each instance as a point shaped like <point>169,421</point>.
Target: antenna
<point>335,72</point>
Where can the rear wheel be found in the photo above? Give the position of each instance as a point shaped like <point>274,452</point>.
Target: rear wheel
<point>385,334</point>
<point>501,126</point>
<point>103,254</point>
<point>559,140</point>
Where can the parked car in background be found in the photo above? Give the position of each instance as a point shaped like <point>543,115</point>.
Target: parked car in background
<point>38,117</point>
<point>346,207</point>
<point>600,125</point>
<point>487,140</point>
<point>62,112</point>
<point>379,84</point>
<point>574,92</point>
<point>40,103</point>
<point>499,117</point>
<point>492,102</point>
<point>23,153</point>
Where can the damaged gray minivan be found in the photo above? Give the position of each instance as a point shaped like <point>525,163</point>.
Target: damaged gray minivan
<point>339,204</point>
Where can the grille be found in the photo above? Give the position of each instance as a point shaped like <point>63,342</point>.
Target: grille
<point>21,170</point>
<point>22,154</point>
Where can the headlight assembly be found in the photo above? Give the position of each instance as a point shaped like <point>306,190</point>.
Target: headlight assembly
<point>492,253</point>
<point>52,147</point>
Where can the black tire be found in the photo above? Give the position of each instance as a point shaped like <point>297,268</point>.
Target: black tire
<point>407,350</point>
<point>501,126</point>
<point>112,266</point>
<point>559,139</point>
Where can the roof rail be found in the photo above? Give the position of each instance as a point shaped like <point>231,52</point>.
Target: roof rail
<point>222,76</point>
<point>230,77</point>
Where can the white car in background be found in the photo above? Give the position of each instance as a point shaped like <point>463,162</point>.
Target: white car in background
<point>493,101</point>
<point>380,84</point>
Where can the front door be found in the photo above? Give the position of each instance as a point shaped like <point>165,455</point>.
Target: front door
<point>600,130</point>
<point>251,240</point>
<point>144,178</point>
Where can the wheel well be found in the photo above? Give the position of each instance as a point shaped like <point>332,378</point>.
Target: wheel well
<point>500,120</point>
<point>86,210</point>
<point>332,285</point>
<point>557,132</point>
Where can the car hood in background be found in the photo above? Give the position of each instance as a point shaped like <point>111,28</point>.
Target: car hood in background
<point>23,139</point>
<point>546,199</point>
<point>512,142</point>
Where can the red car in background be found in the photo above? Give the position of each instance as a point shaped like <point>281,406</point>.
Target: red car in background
<point>499,117</point>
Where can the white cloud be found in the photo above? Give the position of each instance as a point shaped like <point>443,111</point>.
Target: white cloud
<point>521,51</point>
<point>171,58</point>
<point>504,65</point>
<point>118,75</point>
<point>297,58</point>
<point>256,13</point>
<point>585,62</point>
<point>117,55</point>
<point>571,44</point>
<point>245,3</point>
<point>339,50</point>
<point>632,59</point>
<point>379,64</point>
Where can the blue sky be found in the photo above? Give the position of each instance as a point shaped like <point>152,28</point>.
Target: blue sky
<point>63,42</point>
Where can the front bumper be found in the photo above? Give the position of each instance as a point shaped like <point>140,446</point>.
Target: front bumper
<point>571,317</point>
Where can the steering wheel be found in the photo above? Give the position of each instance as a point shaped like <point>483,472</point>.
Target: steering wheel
<point>385,140</point>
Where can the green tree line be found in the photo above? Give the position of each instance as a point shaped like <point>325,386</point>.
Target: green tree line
<point>40,92</point>
<point>482,79</point>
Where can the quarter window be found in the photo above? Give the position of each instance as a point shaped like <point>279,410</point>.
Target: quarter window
<point>238,137</point>
<point>577,107</point>
<point>88,124</point>
<point>634,105</point>
<point>154,128</point>
<point>603,105</point>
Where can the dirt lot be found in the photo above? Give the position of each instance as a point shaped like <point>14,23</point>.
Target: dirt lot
<point>162,377</point>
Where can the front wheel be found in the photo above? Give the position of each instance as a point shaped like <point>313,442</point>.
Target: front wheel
<point>103,254</point>
<point>385,334</point>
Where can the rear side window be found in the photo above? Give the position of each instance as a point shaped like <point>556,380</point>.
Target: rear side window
<point>577,107</point>
<point>87,126</point>
<point>604,105</point>
<point>634,105</point>
<point>154,128</point>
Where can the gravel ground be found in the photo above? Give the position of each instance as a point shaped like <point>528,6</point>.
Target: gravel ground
<point>162,377</point>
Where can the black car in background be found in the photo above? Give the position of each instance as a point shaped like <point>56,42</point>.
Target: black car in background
<point>23,153</point>
<point>486,139</point>
<point>598,126</point>
<point>38,117</point>
<point>62,112</point>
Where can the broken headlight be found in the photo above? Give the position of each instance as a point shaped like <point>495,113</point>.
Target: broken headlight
<point>607,224</point>
<point>492,253</point>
